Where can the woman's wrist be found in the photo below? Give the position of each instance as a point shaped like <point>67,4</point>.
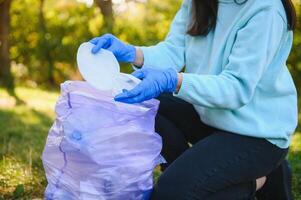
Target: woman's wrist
<point>180,80</point>
<point>139,59</point>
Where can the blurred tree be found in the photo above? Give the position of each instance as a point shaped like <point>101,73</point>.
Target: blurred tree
<point>106,7</point>
<point>6,77</point>
<point>44,47</point>
<point>45,35</point>
<point>295,56</point>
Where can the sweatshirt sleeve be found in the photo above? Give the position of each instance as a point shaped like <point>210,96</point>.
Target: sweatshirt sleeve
<point>255,45</point>
<point>170,52</point>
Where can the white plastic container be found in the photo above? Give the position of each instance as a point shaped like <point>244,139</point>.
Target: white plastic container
<point>102,70</point>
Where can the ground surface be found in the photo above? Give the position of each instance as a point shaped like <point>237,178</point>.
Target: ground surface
<point>23,130</point>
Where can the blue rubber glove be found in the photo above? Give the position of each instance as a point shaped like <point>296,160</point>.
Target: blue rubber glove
<point>154,82</point>
<point>123,52</point>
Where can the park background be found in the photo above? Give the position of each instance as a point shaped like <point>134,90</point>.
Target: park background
<point>38,44</point>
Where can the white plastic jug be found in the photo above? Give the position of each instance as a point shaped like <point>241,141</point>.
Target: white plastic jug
<point>102,70</point>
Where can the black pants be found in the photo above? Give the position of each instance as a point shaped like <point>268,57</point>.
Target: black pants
<point>220,165</point>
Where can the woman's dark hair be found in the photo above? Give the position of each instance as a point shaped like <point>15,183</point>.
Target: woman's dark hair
<point>205,15</point>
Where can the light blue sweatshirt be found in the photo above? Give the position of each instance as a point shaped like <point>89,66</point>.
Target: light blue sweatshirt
<point>236,77</point>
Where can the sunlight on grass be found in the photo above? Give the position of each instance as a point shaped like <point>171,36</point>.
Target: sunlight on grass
<point>38,99</point>
<point>22,139</point>
<point>16,179</point>
<point>296,143</point>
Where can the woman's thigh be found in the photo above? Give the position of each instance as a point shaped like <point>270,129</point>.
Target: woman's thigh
<point>178,123</point>
<point>218,162</point>
<point>183,116</point>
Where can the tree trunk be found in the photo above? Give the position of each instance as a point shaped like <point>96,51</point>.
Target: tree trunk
<point>6,78</point>
<point>106,7</point>
<point>44,47</point>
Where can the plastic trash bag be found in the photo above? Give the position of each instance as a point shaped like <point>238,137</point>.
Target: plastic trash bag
<point>100,149</point>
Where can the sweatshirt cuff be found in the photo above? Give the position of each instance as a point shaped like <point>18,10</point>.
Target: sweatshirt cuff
<point>154,57</point>
<point>148,55</point>
<point>186,86</point>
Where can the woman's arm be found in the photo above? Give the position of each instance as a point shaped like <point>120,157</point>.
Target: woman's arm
<point>170,52</point>
<point>254,48</point>
<point>139,60</point>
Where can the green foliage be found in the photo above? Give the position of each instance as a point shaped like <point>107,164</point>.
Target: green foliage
<point>19,191</point>
<point>148,24</point>
<point>36,46</point>
<point>66,27</point>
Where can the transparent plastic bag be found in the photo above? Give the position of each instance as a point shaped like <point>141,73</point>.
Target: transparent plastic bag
<point>100,149</point>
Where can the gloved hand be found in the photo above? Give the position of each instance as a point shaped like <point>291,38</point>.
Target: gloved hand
<point>123,52</point>
<point>154,82</point>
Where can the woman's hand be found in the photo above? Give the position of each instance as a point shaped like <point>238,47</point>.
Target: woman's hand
<point>123,52</point>
<point>154,82</point>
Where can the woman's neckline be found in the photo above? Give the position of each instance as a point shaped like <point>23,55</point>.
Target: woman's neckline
<point>227,1</point>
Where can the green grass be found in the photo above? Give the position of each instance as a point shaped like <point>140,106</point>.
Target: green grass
<point>295,160</point>
<point>23,130</point>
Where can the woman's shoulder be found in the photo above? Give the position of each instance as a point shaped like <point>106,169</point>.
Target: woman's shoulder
<point>270,6</point>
